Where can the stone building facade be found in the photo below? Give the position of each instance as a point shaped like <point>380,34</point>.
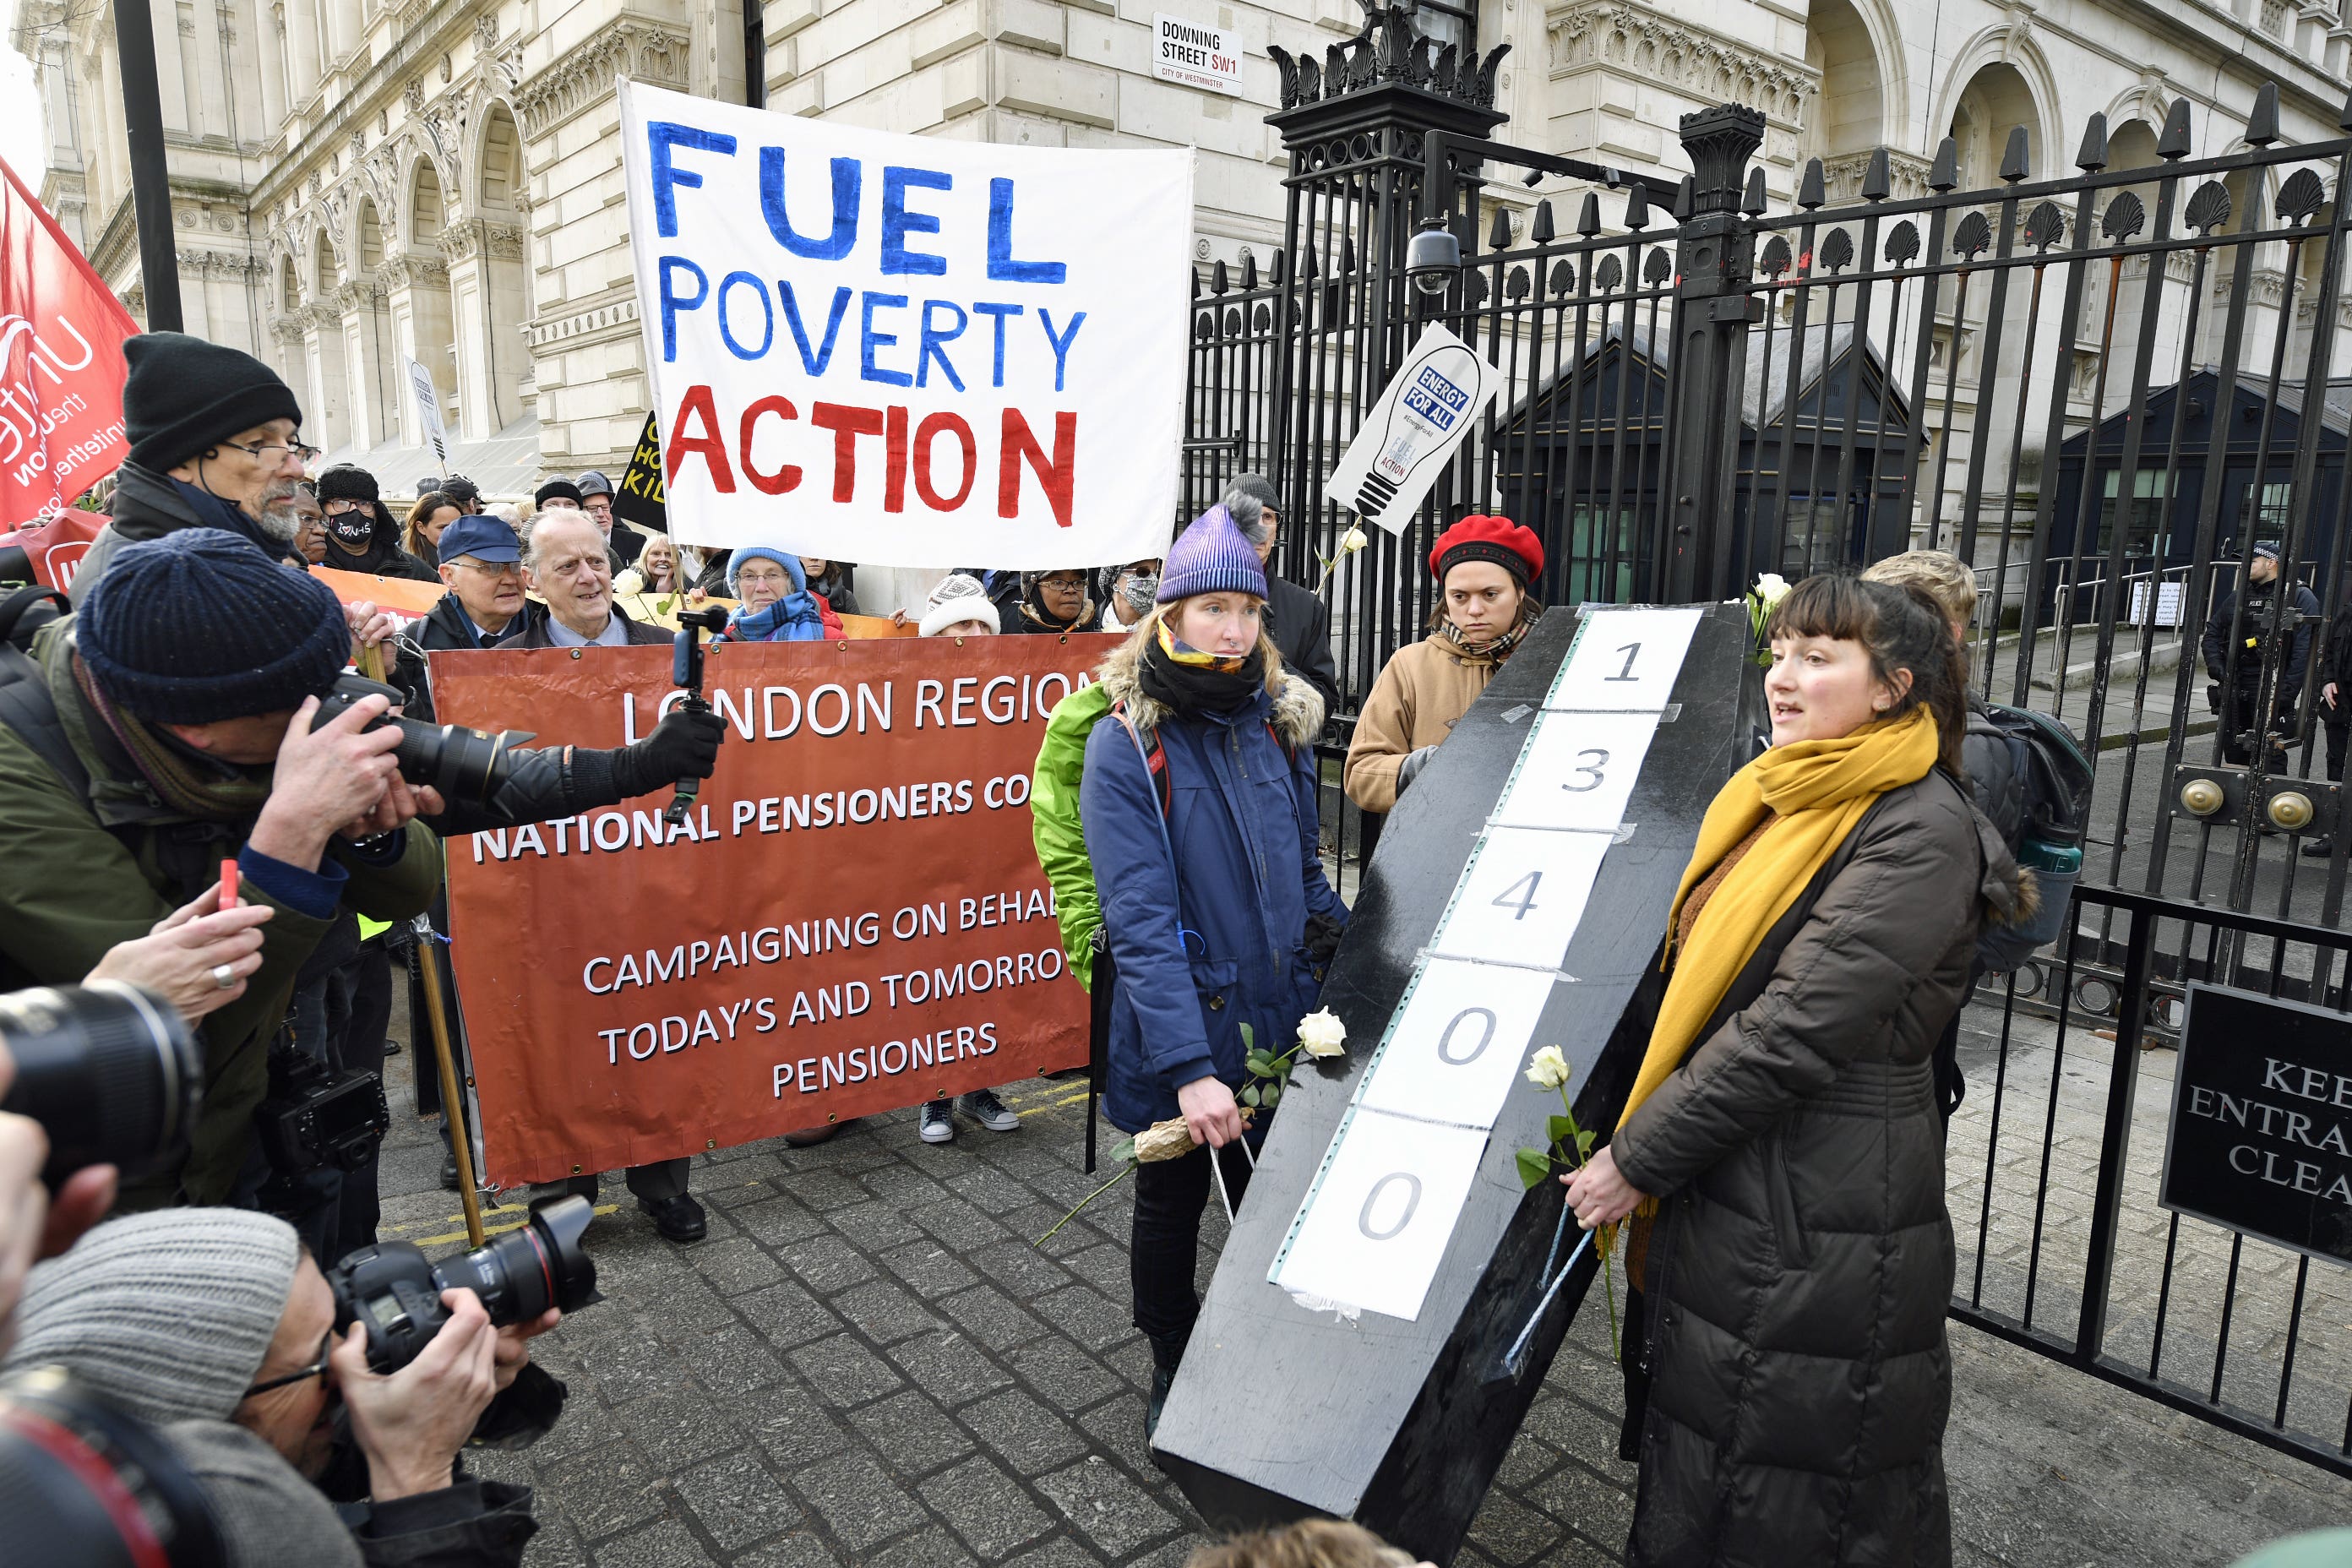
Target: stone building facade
<point>358,183</point>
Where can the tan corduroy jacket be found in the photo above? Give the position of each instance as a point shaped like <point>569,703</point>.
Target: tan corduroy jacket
<point>1422,691</point>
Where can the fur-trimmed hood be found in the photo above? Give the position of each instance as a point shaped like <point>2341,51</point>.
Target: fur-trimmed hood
<point>1297,715</point>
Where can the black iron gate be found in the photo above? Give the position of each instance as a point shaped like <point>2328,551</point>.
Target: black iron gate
<point>2101,386</point>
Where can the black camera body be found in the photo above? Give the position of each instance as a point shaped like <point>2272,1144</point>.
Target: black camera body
<point>464,764</point>
<point>109,1070</point>
<point>397,1292</point>
<point>316,1117</point>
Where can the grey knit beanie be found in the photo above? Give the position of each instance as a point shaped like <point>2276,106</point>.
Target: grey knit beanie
<point>169,1314</point>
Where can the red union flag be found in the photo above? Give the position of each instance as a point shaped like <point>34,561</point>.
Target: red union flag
<point>61,334</point>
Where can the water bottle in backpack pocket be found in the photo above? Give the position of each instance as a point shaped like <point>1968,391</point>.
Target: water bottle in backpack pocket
<point>2054,774</point>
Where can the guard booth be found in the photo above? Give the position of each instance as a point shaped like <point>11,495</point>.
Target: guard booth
<point>1583,458</point>
<point>2173,500</point>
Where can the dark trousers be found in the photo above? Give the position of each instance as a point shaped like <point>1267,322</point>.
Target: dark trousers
<point>1164,1250</point>
<point>2336,736</point>
<point>2240,717</point>
<point>657,1183</point>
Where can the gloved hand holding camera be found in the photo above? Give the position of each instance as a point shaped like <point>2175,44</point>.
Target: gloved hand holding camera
<point>685,744</point>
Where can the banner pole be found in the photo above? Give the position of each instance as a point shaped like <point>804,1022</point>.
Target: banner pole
<point>452,1105</point>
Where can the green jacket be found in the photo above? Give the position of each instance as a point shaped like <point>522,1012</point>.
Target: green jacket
<point>1061,838</point>
<point>71,888</point>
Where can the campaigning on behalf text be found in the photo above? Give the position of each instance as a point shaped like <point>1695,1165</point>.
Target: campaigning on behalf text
<point>605,973</point>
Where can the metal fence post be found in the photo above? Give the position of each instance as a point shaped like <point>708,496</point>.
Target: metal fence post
<point>1714,256</point>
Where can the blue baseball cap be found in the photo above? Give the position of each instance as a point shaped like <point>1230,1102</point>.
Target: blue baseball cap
<point>483,537</point>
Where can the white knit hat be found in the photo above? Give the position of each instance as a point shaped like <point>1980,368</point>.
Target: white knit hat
<point>169,1314</point>
<point>958,598</point>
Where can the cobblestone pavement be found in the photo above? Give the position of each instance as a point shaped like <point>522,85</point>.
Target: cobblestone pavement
<point>867,1364</point>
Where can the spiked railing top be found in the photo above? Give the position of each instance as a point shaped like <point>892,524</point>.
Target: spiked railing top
<point>1389,49</point>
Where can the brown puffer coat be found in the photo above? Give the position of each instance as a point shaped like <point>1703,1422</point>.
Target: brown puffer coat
<point>1803,1261</point>
<point>1424,690</point>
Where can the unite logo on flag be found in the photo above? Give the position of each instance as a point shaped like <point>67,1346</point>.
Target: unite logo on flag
<point>61,368</point>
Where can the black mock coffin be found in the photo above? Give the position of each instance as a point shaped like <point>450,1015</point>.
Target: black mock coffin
<point>1297,1398</point>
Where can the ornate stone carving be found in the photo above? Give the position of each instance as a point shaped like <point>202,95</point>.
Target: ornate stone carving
<point>1844,177</point>
<point>1703,64</point>
<point>486,30</point>
<point>462,241</point>
<point>415,270</point>
<point>414,94</point>
<point>445,67</point>
<point>630,46</point>
<point>616,320</point>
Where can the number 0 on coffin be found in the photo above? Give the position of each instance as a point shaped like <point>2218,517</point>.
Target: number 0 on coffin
<point>1383,1213</point>
<point>1458,1042</point>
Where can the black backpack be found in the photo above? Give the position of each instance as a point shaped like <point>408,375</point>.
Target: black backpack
<point>25,704</point>
<point>2053,775</point>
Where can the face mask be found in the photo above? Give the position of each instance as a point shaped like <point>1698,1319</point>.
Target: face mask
<point>1138,589</point>
<point>353,527</point>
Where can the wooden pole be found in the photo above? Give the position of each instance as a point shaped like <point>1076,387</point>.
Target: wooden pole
<point>452,1105</point>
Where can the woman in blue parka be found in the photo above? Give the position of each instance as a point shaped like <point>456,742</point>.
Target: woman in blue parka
<point>1198,804</point>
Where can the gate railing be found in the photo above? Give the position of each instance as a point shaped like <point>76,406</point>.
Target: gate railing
<point>2127,374</point>
<point>2053,1165</point>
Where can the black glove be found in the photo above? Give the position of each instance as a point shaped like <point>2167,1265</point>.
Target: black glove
<point>684,745</point>
<point>1414,763</point>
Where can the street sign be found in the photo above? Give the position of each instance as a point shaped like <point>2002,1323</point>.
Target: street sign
<point>1410,435</point>
<point>428,411</point>
<point>2260,1138</point>
<point>1194,54</point>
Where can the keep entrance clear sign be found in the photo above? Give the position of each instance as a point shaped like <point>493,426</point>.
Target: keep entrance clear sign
<point>1196,55</point>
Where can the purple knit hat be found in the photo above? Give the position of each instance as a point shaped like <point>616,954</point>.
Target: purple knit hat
<point>1211,557</point>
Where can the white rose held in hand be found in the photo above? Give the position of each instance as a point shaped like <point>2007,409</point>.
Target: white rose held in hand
<point>1353,541</point>
<point>1547,1069</point>
<point>1322,1034</point>
<point>629,583</point>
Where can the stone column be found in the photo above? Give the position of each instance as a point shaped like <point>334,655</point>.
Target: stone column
<point>301,49</point>
<point>364,346</point>
<point>419,288</point>
<point>329,405</point>
<point>471,325</point>
<point>269,33</point>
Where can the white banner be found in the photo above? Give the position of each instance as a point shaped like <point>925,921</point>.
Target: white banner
<point>1407,437</point>
<point>906,349</point>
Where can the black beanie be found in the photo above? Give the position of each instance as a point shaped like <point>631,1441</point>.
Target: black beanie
<point>198,626</point>
<point>183,395</point>
<point>558,488</point>
<point>347,481</point>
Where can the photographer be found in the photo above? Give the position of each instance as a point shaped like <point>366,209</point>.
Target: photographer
<point>214,444</point>
<point>199,1317</point>
<point>166,728</point>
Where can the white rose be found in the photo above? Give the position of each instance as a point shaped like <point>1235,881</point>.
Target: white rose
<point>1547,1069</point>
<point>629,583</point>
<point>1322,1034</point>
<point>1771,587</point>
<point>1353,541</point>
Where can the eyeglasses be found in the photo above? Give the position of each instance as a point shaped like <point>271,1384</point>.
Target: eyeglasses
<point>338,507</point>
<point>313,1369</point>
<point>493,568</point>
<point>301,453</point>
<point>1066,584</point>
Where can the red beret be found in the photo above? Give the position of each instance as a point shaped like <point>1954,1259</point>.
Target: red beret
<point>1496,539</point>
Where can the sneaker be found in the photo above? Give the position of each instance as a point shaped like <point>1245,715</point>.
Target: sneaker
<point>2319,849</point>
<point>939,1121</point>
<point>983,1106</point>
<point>679,1219</point>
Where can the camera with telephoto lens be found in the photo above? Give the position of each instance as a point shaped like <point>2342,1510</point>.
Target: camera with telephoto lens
<point>390,1288</point>
<point>316,1117</point>
<point>464,764</point>
<point>84,1483</point>
<point>108,1069</point>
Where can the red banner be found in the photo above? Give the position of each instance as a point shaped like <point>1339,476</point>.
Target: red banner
<point>49,551</point>
<point>850,920</point>
<point>61,369</point>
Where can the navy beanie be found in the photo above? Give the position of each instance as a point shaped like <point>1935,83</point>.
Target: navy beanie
<point>199,626</point>
<point>183,395</point>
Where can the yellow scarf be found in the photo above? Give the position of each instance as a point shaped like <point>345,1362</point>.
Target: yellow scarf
<point>1819,790</point>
